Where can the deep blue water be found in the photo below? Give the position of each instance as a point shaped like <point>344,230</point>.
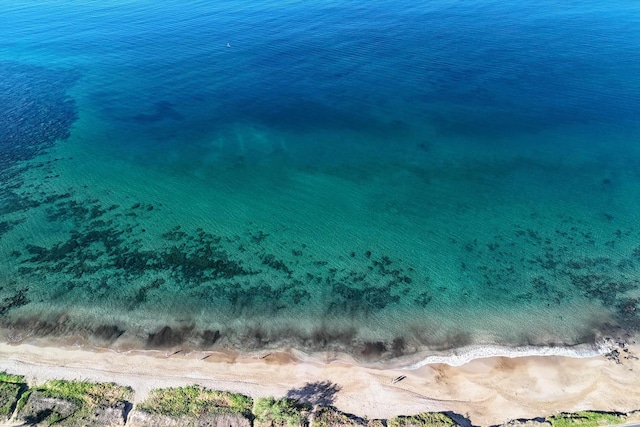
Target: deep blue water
<point>430,171</point>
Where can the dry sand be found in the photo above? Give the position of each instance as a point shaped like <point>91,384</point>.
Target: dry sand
<point>488,391</point>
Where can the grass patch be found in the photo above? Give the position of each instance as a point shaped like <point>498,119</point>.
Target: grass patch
<point>13,379</point>
<point>585,419</point>
<point>425,419</point>
<point>23,400</point>
<point>282,412</point>
<point>86,394</point>
<point>194,401</point>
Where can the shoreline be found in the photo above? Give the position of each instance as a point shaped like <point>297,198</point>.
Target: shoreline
<point>349,349</point>
<point>489,390</point>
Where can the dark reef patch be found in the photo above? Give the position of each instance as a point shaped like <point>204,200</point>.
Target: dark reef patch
<point>36,109</point>
<point>17,299</point>
<point>36,112</point>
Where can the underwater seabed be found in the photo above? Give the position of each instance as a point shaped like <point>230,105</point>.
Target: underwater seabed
<point>423,246</point>
<point>106,275</point>
<point>322,262</point>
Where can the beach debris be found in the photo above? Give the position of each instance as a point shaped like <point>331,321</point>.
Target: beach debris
<point>264,356</point>
<point>619,351</point>
<point>174,353</point>
<point>613,356</point>
<point>398,379</point>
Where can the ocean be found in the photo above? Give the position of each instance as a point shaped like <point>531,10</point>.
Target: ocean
<point>388,180</point>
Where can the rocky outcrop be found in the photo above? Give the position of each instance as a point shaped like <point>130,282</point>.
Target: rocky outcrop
<point>44,407</point>
<point>43,410</point>
<point>9,393</point>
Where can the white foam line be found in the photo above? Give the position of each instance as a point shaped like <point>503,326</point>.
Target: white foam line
<point>465,355</point>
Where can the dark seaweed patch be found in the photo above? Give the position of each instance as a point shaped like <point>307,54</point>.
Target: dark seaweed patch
<point>168,337</point>
<point>210,337</point>
<point>602,287</point>
<point>141,295</point>
<point>322,337</point>
<point>4,227</point>
<point>362,298</point>
<point>398,346</point>
<point>629,310</point>
<point>373,349</point>
<point>108,332</point>
<point>36,113</point>
<point>423,299</point>
<point>19,298</point>
<point>271,261</point>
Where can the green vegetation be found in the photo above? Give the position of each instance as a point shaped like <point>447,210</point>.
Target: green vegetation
<point>8,395</point>
<point>13,379</point>
<point>10,388</point>
<point>84,400</point>
<point>426,419</point>
<point>86,394</point>
<point>586,419</point>
<point>278,413</point>
<point>328,417</point>
<point>194,401</point>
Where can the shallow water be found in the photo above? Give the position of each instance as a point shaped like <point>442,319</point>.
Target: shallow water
<point>380,179</point>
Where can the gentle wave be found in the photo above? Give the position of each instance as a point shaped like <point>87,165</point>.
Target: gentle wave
<point>462,356</point>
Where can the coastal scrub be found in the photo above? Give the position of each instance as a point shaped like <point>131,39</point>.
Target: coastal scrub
<point>586,419</point>
<point>328,416</point>
<point>279,413</point>
<point>425,419</point>
<point>75,403</point>
<point>10,388</point>
<point>195,401</point>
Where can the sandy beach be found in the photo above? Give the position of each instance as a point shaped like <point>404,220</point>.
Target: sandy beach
<point>487,391</point>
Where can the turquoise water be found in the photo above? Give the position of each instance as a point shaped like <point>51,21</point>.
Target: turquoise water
<point>376,178</point>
